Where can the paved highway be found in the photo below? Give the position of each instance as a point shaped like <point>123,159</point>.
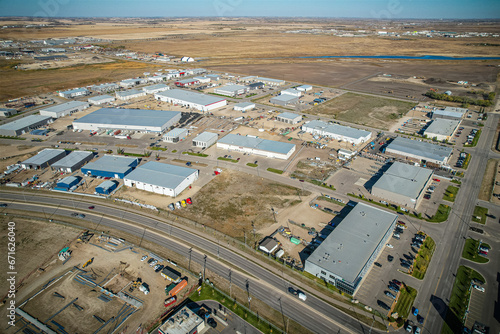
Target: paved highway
<point>313,314</point>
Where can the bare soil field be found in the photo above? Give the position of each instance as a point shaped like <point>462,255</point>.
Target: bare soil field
<point>489,178</point>
<point>72,61</point>
<point>366,110</point>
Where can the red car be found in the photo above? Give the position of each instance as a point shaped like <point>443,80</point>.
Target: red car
<point>437,180</point>
<point>91,207</point>
<point>395,281</point>
<point>188,200</point>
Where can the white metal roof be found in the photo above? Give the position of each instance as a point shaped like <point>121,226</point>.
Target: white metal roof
<point>422,149</point>
<point>441,126</point>
<point>160,174</point>
<point>231,88</point>
<point>43,156</point>
<point>190,97</point>
<point>24,122</point>
<point>206,136</point>
<point>101,97</point>
<point>129,117</point>
<point>289,115</point>
<point>450,112</point>
<point>338,129</point>
<point>66,106</point>
<point>72,159</point>
<point>175,132</point>
<point>112,163</point>
<point>129,93</point>
<point>257,143</point>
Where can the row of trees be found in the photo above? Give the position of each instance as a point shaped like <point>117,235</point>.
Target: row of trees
<point>488,98</point>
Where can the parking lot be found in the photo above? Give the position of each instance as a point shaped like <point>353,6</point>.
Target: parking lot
<point>477,307</point>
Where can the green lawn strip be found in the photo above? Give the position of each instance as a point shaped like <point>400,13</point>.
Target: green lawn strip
<point>331,200</point>
<point>459,300</point>
<point>251,164</point>
<point>387,206</point>
<point>450,193</point>
<point>321,184</point>
<point>470,251</point>
<point>227,159</point>
<point>475,140</point>
<point>424,258</point>
<point>154,148</point>
<point>456,182</point>
<point>12,137</point>
<point>196,154</point>
<point>466,162</point>
<point>480,212</point>
<point>273,170</point>
<point>135,155</point>
<point>405,301</point>
<point>441,215</point>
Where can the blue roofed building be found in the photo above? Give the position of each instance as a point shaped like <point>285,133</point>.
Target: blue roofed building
<point>106,187</point>
<point>160,178</point>
<point>258,146</point>
<point>68,182</point>
<point>114,166</point>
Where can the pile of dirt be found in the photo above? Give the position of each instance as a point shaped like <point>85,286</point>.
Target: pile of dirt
<point>434,81</point>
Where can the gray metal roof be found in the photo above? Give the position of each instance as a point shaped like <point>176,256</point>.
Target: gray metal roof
<point>257,143</point>
<point>350,245</point>
<point>404,179</point>
<point>112,163</point>
<point>284,98</point>
<point>69,179</point>
<point>65,106</point>
<point>72,159</point>
<point>206,136</point>
<point>120,116</point>
<point>231,88</point>
<point>101,97</point>
<point>271,80</point>
<point>43,156</point>
<point>338,129</point>
<point>175,132</point>
<point>129,92</point>
<point>422,149</point>
<point>187,81</point>
<point>441,126</point>
<point>450,112</point>
<point>160,174</point>
<point>24,122</point>
<point>305,87</point>
<point>153,87</point>
<point>288,115</point>
<point>71,91</point>
<point>244,104</point>
<point>107,184</point>
<point>191,97</point>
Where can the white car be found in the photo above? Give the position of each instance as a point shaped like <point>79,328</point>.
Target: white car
<point>390,246</point>
<point>477,287</point>
<point>144,257</point>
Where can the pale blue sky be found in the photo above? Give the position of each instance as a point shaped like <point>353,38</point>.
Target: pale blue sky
<point>371,9</point>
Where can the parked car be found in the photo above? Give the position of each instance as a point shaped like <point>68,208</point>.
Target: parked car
<point>478,288</point>
<point>183,203</point>
<point>393,288</point>
<point>383,305</point>
<point>178,205</point>
<point>189,201</point>
<point>159,268</point>
<point>417,330</point>
<point>390,258</point>
<point>390,246</point>
<point>437,180</point>
<point>150,261</point>
<point>91,207</point>
<point>3,205</point>
<point>144,257</point>
<point>171,206</point>
<point>420,319</point>
<point>395,281</point>
<point>377,264</point>
<point>81,215</point>
<point>211,322</point>
<point>390,295</point>
<point>415,311</point>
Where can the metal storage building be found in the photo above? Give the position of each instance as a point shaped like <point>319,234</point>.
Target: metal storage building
<point>256,85</point>
<point>244,106</point>
<point>171,274</point>
<point>292,92</point>
<point>161,178</point>
<point>174,135</point>
<point>304,88</point>
<point>106,87</point>
<point>202,79</point>
<point>346,255</point>
<point>337,131</point>
<point>106,187</point>
<point>101,99</point>
<point>194,100</point>
<point>284,100</point>
<point>450,113</point>
<point>64,109</point>
<point>268,245</point>
<point>258,146</point>
<point>111,166</point>
<point>249,78</point>
<point>43,159</point>
<point>68,182</point>
<point>74,92</point>
<point>231,90</point>
<point>127,83</point>
<point>403,184</point>
<point>186,82</point>
<point>288,117</point>
<point>129,94</point>
<point>24,125</point>
<point>73,161</point>
<point>271,82</point>
<point>6,112</point>
<point>441,129</point>
<point>155,88</point>
<point>128,119</point>
<point>205,139</point>
<point>215,77</point>
<point>419,151</point>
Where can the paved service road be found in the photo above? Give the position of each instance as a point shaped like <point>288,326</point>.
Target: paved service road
<point>313,314</point>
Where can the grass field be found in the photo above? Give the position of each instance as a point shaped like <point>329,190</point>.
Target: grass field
<point>441,214</point>
<point>366,110</point>
<point>424,258</point>
<point>405,301</point>
<point>470,252</point>
<point>488,180</point>
<point>450,193</point>
<point>459,300</point>
<point>480,212</point>
<point>475,140</point>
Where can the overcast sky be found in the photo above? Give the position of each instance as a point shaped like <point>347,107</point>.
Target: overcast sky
<point>374,9</point>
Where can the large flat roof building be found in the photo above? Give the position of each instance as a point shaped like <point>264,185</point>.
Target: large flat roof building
<point>337,131</point>
<point>174,135</point>
<point>231,90</point>
<point>288,117</point>
<point>128,119</point>
<point>111,166</point>
<point>205,139</point>
<point>182,322</point>
<point>292,92</point>
<point>73,161</point>
<point>74,92</point>
<point>403,184</point>
<point>64,109</point>
<point>6,112</point>
<point>43,159</point>
<point>258,146</point>
<point>23,125</point>
<point>348,253</point>
<point>155,88</point>
<point>244,106</point>
<point>284,100</point>
<point>304,88</point>
<point>441,129</point>
<point>101,99</point>
<point>201,102</point>
<point>449,113</point>
<point>271,82</point>
<point>105,87</point>
<point>419,151</point>
<point>129,94</point>
<point>161,178</point>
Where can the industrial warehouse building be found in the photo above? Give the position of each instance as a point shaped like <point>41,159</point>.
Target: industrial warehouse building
<point>155,88</point>
<point>337,131</point>
<point>127,83</point>
<point>288,117</point>
<point>403,184</point>
<point>304,88</point>
<point>346,255</point>
<point>160,178</point>
<point>231,90</point>
<point>256,85</point>
<point>186,82</point>
<point>106,187</point>
<point>73,161</point>
<point>205,139</point>
<point>194,100</point>
<point>111,166</point>
<point>74,92</point>
<point>64,109</point>
<point>284,100</point>
<point>419,151</point>
<point>271,82</point>
<point>104,88</point>
<point>202,79</point>
<point>23,125</point>
<point>129,94</point>
<point>268,245</point>
<point>101,99</point>
<point>449,113</point>
<point>244,106</point>
<point>441,129</point>
<point>128,119</point>
<point>43,159</point>
<point>67,183</point>
<point>6,112</point>
<point>257,146</point>
<point>292,92</point>
<point>214,77</point>
<point>182,322</point>
<point>174,135</point>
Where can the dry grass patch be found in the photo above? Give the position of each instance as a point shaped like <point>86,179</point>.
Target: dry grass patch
<point>488,180</point>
